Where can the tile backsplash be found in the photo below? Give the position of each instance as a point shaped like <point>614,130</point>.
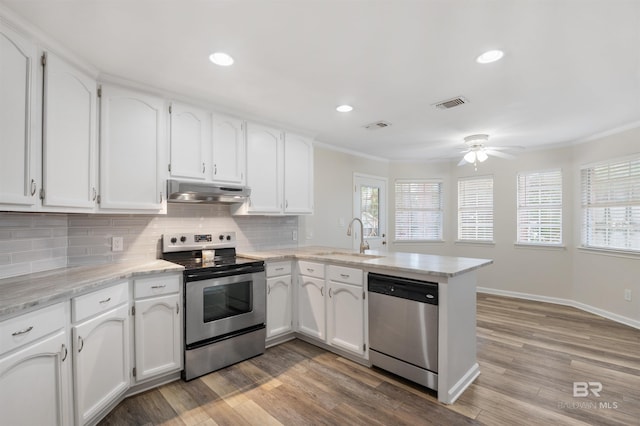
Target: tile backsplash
<point>32,242</point>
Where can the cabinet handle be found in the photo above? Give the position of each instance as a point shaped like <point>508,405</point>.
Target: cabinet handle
<point>33,187</point>
<point>203,167</point>
<point>64,349</point>
<point>345,275</point>
<point>95,194</point>
<point>107,300</point>
<point>159,286</point>
<point>177,308</point>
<point>161,197</point>
<point>268,289</point>
<point>330,288</point>
<point>80,343</point>
<point>23,331</point>
<point>286,204</point>
<point>279,269</point>
<point>215,169</point>
<point>322,291</point>
<point>310,270</point>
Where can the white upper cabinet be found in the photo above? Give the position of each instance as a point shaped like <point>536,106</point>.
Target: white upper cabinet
<point>69,138</point>
<point>264,169</point>
<point>132,134</point>
<point>190,132</point>
<point>19,150</point>
<point>298,175</point>
<point>228,150</point>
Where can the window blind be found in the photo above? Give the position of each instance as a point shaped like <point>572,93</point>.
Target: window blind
<point>418,210</point>
<point>540,207</point>
<point>611,205</point>
<point>475,209</point>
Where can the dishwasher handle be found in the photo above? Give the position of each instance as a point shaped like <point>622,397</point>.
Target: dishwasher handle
<point>404,288</point>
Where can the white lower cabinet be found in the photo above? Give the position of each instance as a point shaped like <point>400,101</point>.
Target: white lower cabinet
<point>157,324</point>
<point>345,316</point>
<point>101,349</point>
<point>331,307</point>
<point>279,299</point>
<point>35,368</point>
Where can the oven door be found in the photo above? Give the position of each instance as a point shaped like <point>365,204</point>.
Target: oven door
<point>222,305</point>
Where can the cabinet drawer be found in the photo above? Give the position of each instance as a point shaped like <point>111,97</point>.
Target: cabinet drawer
<point>345,275</point>
<point>27,328</point>
<point>278,268</point>
<point>147,287</point>
<point>311,269</point>
<point>99,301</point>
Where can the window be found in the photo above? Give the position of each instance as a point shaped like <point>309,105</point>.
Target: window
<point>611,205</point>
<point>419,210</point>
<point>475,209</point>
<point>540,207</point>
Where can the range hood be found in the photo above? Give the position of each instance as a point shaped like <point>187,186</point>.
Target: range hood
<point>193,192</point>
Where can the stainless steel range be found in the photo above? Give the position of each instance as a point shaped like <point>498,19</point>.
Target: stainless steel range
<point>224,301</point>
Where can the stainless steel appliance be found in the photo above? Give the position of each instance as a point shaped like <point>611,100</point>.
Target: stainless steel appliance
<point>194,192</point>
<point>224,301</point>
<point>403,327</point>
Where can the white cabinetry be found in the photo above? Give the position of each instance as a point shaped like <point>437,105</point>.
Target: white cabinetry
<point>19,121</point>
<point>101,349</point>
<point>298,175</point>
<point>35,368</point>
<point>157,323</point>
<point>279,298</point>
<point>228,150</point>
<point>69,138</point>
<point>345,309</point>
<point>311,304</point>
<point>132,134</point>
<point>264,169</point>
<point>190,132</point>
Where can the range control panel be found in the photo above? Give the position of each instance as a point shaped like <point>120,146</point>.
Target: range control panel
<point>200,241</point>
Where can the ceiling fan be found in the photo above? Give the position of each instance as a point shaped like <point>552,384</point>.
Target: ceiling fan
<point>478,151</point>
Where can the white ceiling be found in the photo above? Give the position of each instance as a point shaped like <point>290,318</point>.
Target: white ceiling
<point>571,67</point>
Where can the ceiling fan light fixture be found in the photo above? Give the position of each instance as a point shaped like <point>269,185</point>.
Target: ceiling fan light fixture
<point>490,56</point>
<point>470,157</point>
<point>481,155</point>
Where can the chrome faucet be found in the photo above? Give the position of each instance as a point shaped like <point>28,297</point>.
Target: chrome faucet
<point>363,244</point>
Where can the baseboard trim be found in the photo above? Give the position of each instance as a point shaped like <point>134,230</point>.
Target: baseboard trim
<point>566,302</point>
<point>465,381</point>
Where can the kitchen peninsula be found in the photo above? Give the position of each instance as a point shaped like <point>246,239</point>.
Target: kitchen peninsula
<point>456,279</point>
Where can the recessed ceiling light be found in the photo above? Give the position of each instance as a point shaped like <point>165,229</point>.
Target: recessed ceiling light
<point>344,108</point>
<point>490,56</point>
<point>221,58</point>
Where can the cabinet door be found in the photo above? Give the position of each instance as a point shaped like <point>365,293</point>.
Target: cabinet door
<point>190,130</point>
<point>279,299</point>
<point>19,150</point>
<point>228,150</point>
<point>264,169</point>
<point>131,134</point>
<point>311,307</point>
<point>34,383</point>
<point>345,317</point>
<point>101,361</point>
<point>298,175</point>
<point>69,144</point>
<point>157,336</point>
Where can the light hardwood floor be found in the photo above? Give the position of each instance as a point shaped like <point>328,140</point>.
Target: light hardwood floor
<point>530,355</point>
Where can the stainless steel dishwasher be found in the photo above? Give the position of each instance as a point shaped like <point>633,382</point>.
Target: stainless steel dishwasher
<point>403,327</point>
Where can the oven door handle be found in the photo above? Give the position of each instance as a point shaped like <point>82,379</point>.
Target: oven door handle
<point>206,275</point>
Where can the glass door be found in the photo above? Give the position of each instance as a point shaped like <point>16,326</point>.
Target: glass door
<point>370,206</point>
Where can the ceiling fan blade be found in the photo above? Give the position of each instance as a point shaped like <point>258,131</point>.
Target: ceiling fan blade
<point>462,162</point>
<point>499,154</point>
<point>505,148</point>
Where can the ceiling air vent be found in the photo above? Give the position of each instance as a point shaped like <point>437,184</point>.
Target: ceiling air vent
<point>377,125</point>
<point>451,103</point>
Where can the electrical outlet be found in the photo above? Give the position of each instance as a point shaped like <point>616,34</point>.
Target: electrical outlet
<point>117,243</point>
<point>294,235</point>
<point>627,294</point>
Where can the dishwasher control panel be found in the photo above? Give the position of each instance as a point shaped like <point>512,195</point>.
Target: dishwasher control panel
<point>404,288</point>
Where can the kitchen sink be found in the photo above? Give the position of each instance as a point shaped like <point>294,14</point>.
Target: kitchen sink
<point>347,254</point>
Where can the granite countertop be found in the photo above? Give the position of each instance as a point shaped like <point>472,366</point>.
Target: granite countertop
<point>43,288</point>
<point>443,266</point>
